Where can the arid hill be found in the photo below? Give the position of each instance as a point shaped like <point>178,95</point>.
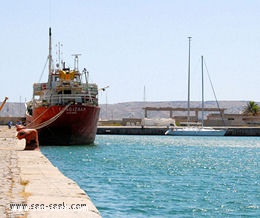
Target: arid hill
<point>134,109</point>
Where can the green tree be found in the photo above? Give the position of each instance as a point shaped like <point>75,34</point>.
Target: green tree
<point>251,108</point>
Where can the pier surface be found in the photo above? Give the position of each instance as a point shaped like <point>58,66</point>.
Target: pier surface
<point>31,186</point>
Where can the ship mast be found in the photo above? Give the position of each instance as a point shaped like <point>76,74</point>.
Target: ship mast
<point>50,57</point>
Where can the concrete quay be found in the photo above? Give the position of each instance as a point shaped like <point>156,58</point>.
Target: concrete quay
<point>31,186</point>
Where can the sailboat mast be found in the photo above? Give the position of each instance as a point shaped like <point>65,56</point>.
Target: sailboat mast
<point>202,90</point>
<point>188,118</point>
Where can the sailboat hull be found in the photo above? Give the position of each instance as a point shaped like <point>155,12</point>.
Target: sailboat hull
<point>195,132</point>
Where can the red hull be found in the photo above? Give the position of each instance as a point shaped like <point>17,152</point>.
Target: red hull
<point>77,125</point>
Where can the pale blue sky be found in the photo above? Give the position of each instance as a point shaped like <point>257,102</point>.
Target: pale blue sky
<point>129,44</point>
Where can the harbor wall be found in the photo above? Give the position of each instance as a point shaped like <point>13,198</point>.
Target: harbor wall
<point>115,130</point>
<point>244,131</point>
<point>231,131</point>
<point>31,186</point>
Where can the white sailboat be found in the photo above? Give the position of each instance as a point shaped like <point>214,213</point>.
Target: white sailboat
<point>195,131</point>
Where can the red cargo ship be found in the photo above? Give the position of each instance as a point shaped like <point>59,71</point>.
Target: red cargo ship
<point>65,109</point>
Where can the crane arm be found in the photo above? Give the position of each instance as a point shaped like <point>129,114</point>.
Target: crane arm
<point>3,103</point>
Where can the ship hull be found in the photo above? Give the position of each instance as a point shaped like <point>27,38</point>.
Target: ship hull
<point>77,125</point>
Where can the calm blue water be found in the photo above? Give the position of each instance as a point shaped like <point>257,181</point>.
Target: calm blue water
<point>165,176</point>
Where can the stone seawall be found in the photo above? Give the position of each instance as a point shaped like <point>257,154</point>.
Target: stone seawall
<point>31,182</point>
<point>243,131</point>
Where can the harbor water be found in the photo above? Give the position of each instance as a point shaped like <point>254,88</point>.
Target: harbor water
<point>166,176</point>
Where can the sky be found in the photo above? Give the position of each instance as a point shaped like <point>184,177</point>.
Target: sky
<point>139,48</point>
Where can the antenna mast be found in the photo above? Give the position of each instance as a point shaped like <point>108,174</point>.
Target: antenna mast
<point>60,61</point>
<point>76,61</point>
<point>144,94</point>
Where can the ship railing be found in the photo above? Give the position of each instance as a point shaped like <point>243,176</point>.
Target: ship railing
<point>61,99</point>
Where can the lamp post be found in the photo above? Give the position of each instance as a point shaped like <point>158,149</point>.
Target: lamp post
<point>104,89</point>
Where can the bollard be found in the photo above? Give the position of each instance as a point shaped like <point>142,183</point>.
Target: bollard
<point>19,127</point>
<point>31,138</point>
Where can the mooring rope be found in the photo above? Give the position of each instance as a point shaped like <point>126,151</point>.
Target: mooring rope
<point>31,123</point>
<point>48,122</point>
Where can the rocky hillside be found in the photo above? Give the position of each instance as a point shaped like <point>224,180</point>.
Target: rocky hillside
<point>13,109</point>
<point>134,109</point>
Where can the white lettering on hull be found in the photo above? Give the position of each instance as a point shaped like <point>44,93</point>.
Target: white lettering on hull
<point>74,110</point>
